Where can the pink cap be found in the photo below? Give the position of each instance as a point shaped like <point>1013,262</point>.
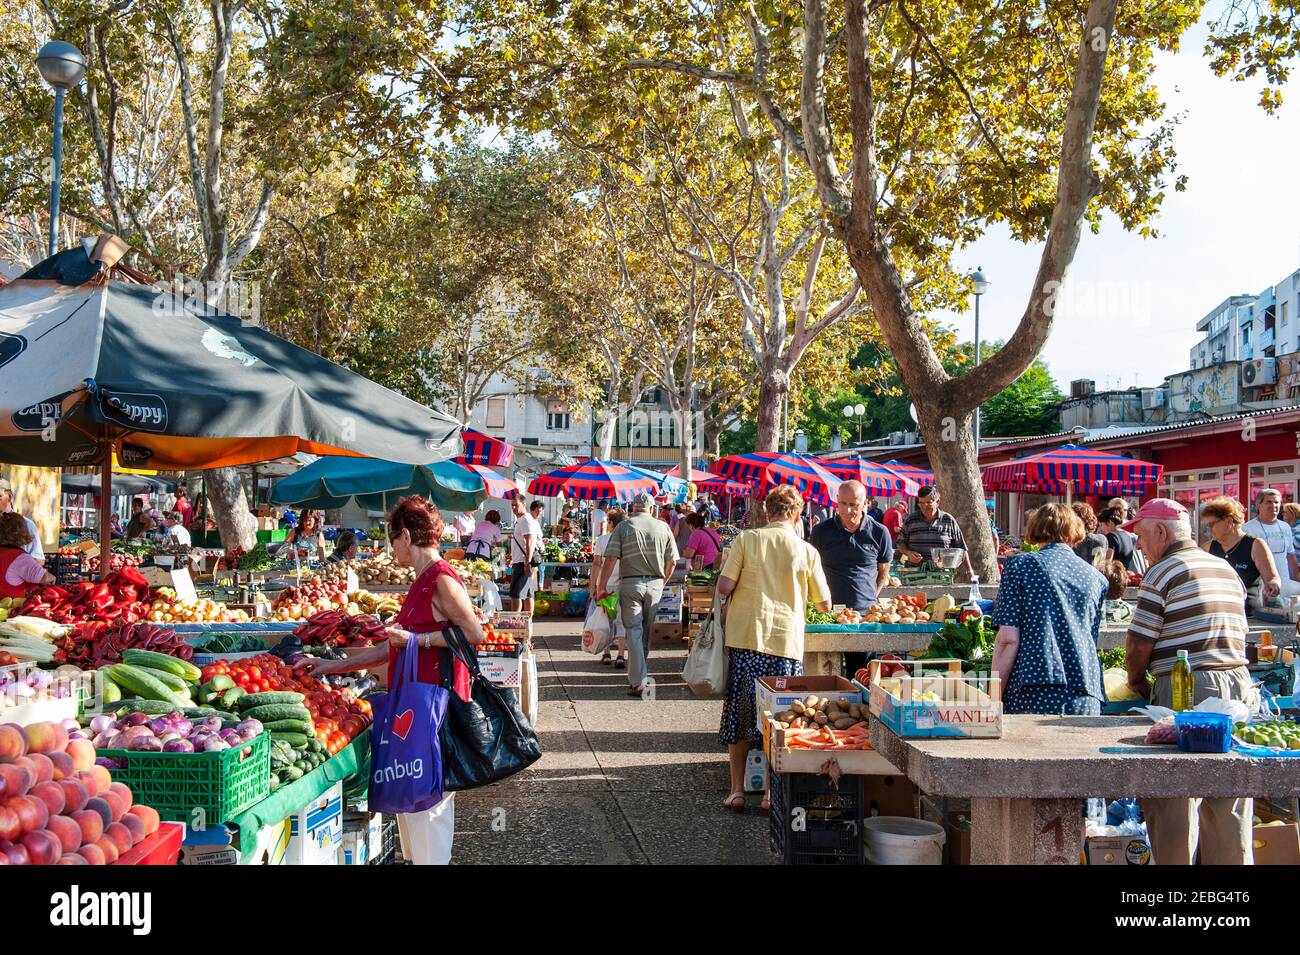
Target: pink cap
<point>1158,509</point>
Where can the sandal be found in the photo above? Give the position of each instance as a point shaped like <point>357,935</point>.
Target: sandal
<point>765,806</point>
<point>735,802</point>
<point>605,659</point>
<point>620,663</point>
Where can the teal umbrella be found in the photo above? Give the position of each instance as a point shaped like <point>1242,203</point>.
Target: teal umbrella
<point>332,481</point>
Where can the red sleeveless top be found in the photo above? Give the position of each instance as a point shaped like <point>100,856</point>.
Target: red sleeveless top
<point>417,616</point>
<point>7,556</point>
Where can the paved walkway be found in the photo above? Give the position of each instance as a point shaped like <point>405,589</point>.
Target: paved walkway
<point>621,780</point>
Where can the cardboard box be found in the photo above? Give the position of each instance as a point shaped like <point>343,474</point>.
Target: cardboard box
<point>668,632</point>
<point>916,702</point>
<point>316,831</point>
<point>774,694</point>
<point>1275,844</point>
<point>362,838</point>
<point>889,796</point>
<point>501,667</point>
<point>857,762</point>
<point>1117,850</point>
<point>220,846</point>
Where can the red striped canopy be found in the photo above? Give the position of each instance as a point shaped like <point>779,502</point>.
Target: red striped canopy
<point>877,478</point>
<point>723,486</point>
<point>921,476</point>
<point>696,476</point>
<point>480,448</point>
<point>768,469</point>
<point>495,485</point>
<point>1079,469</point>
<point>594,480</point>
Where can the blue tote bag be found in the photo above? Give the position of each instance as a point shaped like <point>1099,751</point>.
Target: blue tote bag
<point>406,760</point>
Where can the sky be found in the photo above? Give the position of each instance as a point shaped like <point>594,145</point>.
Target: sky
<point>1130,305</point>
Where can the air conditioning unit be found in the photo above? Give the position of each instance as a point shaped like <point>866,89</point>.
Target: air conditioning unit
<point>1082,388</point>
<point>1154,398</point>
<point>1261,371</point>
<point>897,437</point>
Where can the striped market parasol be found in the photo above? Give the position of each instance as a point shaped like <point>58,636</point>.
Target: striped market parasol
<point>696,476</point>
<point>480,448</point>
<point>769,469</point>
<point>495,485</point>
<point>920,476</point>
<point>594,480</point>
<point>724,486</point>
<point>877,478</point>
<point>1072,468</point>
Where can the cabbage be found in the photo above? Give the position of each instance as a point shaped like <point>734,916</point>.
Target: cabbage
<point>1117,688</point>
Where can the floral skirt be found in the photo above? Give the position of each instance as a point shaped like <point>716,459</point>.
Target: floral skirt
<point>739,718</point>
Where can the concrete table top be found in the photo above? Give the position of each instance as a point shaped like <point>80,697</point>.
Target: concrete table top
<point>1054,757</point>
<point>906,642</point>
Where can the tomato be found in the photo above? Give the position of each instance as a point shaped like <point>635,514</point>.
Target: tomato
<point>329,711</point>
<point>255,672</point>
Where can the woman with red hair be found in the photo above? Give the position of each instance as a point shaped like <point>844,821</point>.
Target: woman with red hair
<point>436,602</point>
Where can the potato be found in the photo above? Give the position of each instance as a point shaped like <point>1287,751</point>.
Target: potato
<point>788,716</point>
<point>810,702</point>
<point>844,703</point>
<point>893,618</point>
<point>820,719</point>
<point>781,724</point>
<point>844,723</point>
<point>855,711</point>
<point>798,707</point>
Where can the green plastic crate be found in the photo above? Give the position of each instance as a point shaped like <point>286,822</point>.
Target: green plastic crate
<point>221,784</point>
<point>273,537</point>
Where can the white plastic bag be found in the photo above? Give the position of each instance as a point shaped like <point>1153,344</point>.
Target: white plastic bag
<point>1236,709</point>
<point>705,671</point>
<point>491,596</point>
<point>597,634</point>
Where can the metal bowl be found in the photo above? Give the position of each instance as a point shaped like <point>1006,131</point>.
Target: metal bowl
<point>947,558</point>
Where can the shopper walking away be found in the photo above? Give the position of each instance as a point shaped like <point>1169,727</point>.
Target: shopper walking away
<point>1222,518</point>
<point>769,579</point>
<point>1193,601</point>
<point>703,545</point>
<point>928,529</point>
<point>893,519</point>
<point>613,517</point>
<point>1093,546</point>
<point>683,529</point>
<point>644,553</point>
<point>33,547</point>
<point>436,602</point>
<point>1120,544</point>
<point>1278,537</point>
<point>19,570</point>
<point>525,546</point>
<point>1048,612</point>
<point>486,535</point>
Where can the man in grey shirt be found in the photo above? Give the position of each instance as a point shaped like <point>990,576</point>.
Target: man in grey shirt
<point>646,553</point>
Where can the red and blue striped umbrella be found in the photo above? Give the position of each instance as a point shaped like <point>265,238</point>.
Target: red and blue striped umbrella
<point>697,477</point>
<point>768,469</point>
<point>480,448</point>
<point>594,480</point>
<point>495,485</point>
<point>920,476</point>
<point>720,485</point>
<point>877,478</point>
<point>1080,469</point>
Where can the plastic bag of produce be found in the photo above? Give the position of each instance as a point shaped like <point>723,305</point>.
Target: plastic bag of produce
<point>1117,688</point>
<point>597,634</point>
<point>491,595</point>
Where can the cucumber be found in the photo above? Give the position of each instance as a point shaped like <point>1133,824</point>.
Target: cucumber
<point>296,740</point>
<point>137,705</point>
<point>270,696</point>
<point>291,726</point>
<point>203,712</point>
<point>230,699</point>
<point>218,684</point>
<point>141,683</point>
<point>167,679</point>
<point>111,692</point>
<point>277,711</point>
<point>162,661</point>
<point>275,782</point>
<point>316,746</point>
<point>292,773</point>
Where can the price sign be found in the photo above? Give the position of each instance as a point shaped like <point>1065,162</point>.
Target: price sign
<point>183,584</point>
<point>353,584</point>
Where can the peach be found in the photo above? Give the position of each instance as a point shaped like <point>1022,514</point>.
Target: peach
<point>42,767</point>
<point>123,792</point>
<point>121,837</point>
<point>82,753</point>
<point>114,803</point>
<point>102,776</point>
<point>67,831</point>
<point>75,795</point>
<point>43,847</point>
<point>71,858</point>
<point>17,855</point>
<point>150,816</point>
<point>12,743</point>
<point>90,823</point>
<point>32,812</point>
<point>4,859</point>
<point>97,805</point>
<point>15,780</point>
<point>90,781</point>
<point>135,825</point>
<point>93,855</point>
<point>46,738</point>
<point>11,826</point>
<point>107,846</point>
<point>51,794</point>
<point>63,766</point>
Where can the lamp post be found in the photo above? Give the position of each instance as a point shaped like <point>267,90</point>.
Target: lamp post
<point>62,66</point>
<point>980,285</point>
<point>856,411</point>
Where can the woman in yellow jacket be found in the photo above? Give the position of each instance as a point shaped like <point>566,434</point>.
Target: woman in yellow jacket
<point>770,577</point>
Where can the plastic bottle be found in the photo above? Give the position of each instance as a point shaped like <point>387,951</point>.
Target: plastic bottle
<point>975,596</point>
<point>1182,683</point>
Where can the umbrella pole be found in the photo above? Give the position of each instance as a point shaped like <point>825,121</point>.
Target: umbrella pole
<point>105,506</point>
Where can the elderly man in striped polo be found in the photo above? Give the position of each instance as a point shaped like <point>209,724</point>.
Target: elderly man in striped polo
<point>1193,601</point>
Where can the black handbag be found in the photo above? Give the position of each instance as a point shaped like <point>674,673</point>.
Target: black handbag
<point>488,738</point>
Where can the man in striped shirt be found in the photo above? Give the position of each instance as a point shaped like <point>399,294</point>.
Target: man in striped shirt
<point>1193,601</point>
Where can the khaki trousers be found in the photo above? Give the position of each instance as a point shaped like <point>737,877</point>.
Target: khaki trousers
<point>1221,828</point>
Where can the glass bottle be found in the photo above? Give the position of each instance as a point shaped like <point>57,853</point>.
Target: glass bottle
<point>1182,683</point>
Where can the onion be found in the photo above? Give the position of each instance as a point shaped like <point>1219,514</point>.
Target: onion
<point>135,732</point>
<point>101,723</point>
<point>136,719</point>
<point>168,736</point>
<point>183,726</point>
<point>40,679</point>
<point>71,725</point>
<point>212,724</point>
<point>145,744</point>
<point>77,734</point>
<point>160,725</point>
<point>178,746</point>
<point>108,763</point>
<point>214,744</point>
<point>112,739</point>
<point>249,729</point>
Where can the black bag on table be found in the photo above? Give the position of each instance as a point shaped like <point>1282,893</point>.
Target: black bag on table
<point>488,738</point>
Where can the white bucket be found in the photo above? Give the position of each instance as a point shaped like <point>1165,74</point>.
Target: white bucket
<point>897,840</point>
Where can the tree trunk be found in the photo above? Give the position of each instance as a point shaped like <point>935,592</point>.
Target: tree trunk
<point>771,396</point>
<point>713,439</point>
<point>235,523</point>
<point>950,442</point>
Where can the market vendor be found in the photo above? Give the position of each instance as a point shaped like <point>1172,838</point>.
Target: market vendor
<point>310,533</point>
<point>463,527</point>
<point>1274,532</point>
<point>7,507</point>
<point>487,534</point>
<point>19,570</point>
<point>177,534</point>
<point>928,529</point>
<point>855,550</point>
<point>183,506</point>
<point>346,546</point>
<point>1192,601</point>
<point>140,523</point>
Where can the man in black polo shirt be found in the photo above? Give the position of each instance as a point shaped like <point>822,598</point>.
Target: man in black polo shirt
<point>855,550</point>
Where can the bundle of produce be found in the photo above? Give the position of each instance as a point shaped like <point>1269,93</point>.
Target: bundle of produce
<point>551,552</point>
<point>172,732</point>
<point>169,608</point>
<point>148,675</point>
<point>376,534</point>
<point>815,616</point>
<point>290,763</point>
<point>1278,734</point>
<point>31,639</point>
<point>93,644</point>
<point>124,594</point>
<point>337,628</point>
<point>253,560</point>
<point>381,605</point>
<point>497,640</point>
<point>58,805</point>
<point>907,608</point>
<point>969,640</point>
<point>314,595</point>
<point>471,567</point>
<point>228,643</point>
<point>817,722</point>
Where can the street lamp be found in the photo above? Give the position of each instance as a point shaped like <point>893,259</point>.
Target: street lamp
<point>62,66</point>
<point>980,285</point>
<point>851,411</point>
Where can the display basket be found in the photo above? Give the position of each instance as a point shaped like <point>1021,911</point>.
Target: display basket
<point>814,821</point>
<point>185,787</point>
<point>917,703</point>
<point>785,761</point>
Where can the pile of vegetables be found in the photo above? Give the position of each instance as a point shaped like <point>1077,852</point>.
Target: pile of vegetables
<point>381,605</point>
<point>253,560</point>
<point>822,723</point>
<point>138,549</point>
<point>31,639</point>
<point>229,643</point>
<point>22,685</point>
<point>379,571</point>
<point>314,595</point>
<point>338,628</point>
<point>115,563</point>
<point>123,595</point>
<point>171,732</point>
<point>496,640</point>
<point>702,578</point>
<point>1279,734</point>
<point>147,675</point>
<point>91,645</point>
<point>473,567</point>
<point>969,640</point>
<point>167,607</point>
<point>815,616</point>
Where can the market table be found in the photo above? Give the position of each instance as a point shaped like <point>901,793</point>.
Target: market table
<point>541,569</point>
<point>1026,788</point>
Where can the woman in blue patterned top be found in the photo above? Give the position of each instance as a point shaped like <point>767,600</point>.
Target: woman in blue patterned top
<point>1048,612</point>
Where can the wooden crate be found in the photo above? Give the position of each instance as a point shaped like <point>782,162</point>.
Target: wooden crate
<point>967,706</point>
<point>699,600</point>
<point>858,762</point>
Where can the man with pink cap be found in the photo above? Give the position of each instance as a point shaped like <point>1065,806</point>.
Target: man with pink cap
<point>1190,601</point>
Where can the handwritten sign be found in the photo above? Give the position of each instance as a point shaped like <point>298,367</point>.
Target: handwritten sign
<point>183,584</point>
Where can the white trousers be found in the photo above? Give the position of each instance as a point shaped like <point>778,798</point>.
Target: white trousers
<point>426,836</point>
